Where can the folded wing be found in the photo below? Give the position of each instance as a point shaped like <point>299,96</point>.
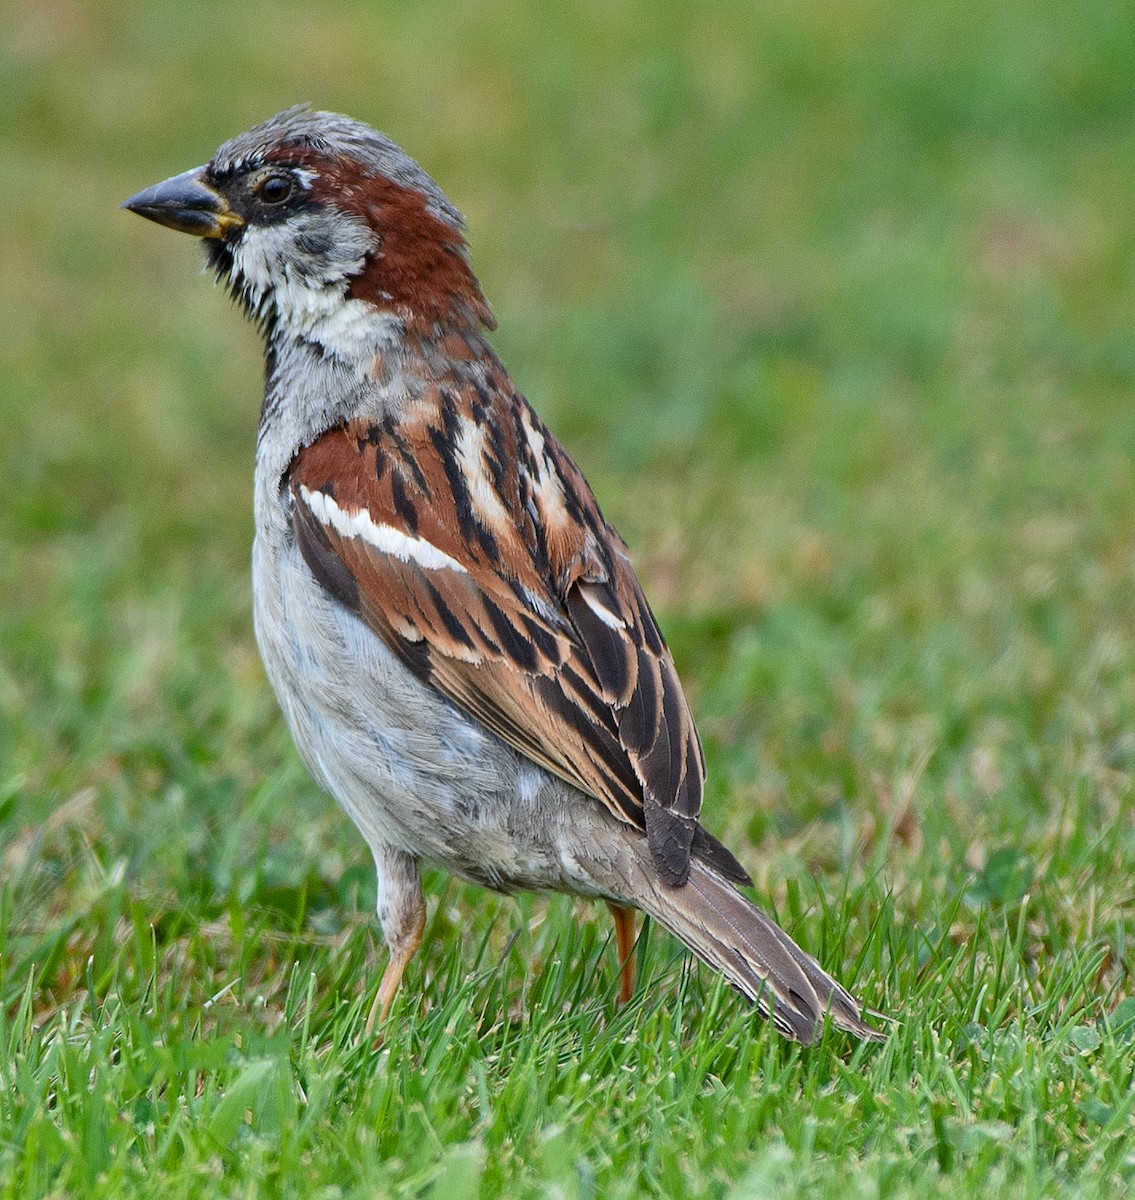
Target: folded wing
<point>468,541</point>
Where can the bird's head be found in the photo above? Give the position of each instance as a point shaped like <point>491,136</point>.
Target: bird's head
<point>321,225</point>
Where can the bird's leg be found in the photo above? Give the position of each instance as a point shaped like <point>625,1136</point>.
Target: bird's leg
<point>402,912</point>
<point>624,943</point>
<point>400,955</point>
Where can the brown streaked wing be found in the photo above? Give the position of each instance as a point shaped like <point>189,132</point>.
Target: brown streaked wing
<point>465,642</point>
<point>547,641</point>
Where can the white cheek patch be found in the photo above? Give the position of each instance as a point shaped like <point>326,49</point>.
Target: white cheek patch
<point>309,305</point>
<point>385,538</point>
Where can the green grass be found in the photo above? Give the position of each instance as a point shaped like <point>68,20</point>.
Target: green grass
<point>833,303</point>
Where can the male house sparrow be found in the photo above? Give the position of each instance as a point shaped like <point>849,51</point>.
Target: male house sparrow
<point>455,634</point>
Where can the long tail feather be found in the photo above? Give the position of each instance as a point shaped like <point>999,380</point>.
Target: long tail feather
<point>732,935</point>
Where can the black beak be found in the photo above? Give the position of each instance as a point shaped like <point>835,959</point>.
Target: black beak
<point>188,204</point>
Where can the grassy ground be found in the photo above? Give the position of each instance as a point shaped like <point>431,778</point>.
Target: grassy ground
<point>833,303</point>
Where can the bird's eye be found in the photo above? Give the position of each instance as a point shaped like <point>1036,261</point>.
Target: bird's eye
<point>275,189</point>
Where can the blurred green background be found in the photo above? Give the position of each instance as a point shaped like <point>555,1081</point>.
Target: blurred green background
<point>831,301</point>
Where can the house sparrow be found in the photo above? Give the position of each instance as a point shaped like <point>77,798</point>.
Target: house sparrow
<point>455,634</point>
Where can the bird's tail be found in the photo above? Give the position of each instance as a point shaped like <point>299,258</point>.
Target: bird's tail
<point>732,935</point>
